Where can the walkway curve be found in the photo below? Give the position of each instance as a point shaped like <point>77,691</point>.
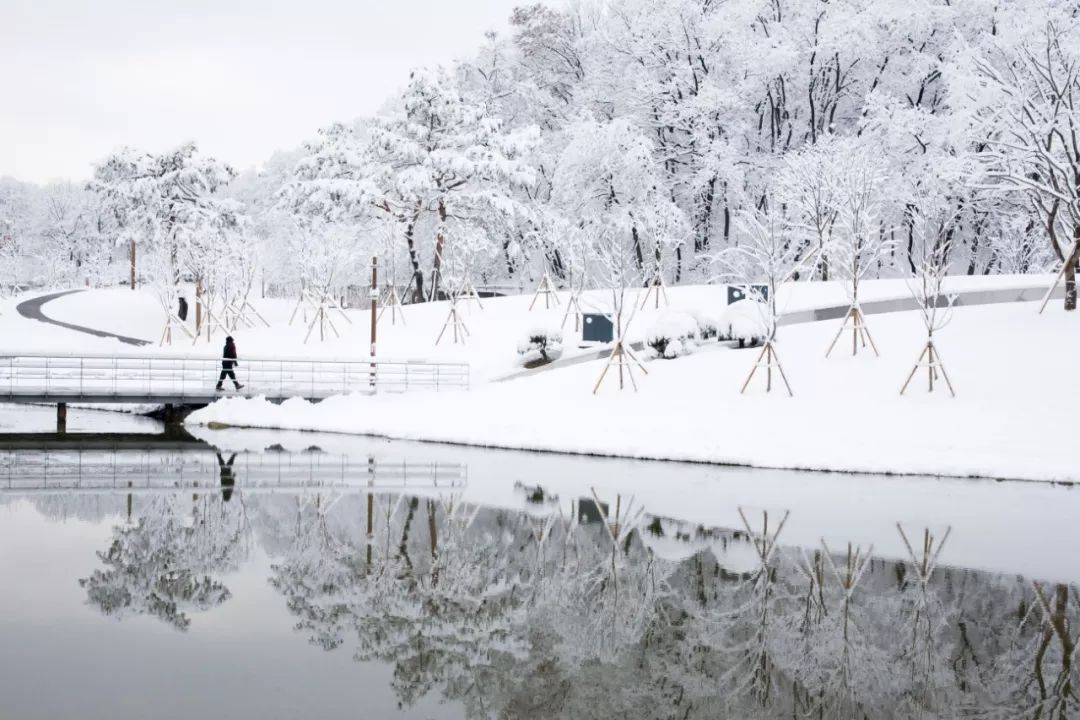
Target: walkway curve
<point>969,298</point>
<point>31,309</point>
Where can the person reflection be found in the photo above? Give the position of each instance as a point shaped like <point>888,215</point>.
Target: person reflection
<point>227,476</point>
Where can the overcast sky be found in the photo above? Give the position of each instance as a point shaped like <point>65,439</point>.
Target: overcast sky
<point>240,77</point>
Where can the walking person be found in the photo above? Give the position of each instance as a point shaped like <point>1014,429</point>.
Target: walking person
<point>228,362</point>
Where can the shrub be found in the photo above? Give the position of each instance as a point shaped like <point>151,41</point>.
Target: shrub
<point>541,344</point>
<point>674,334</point>
<point>708,324</point>
<point>745,321</point>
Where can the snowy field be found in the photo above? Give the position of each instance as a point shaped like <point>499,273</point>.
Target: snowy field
<point>1009,419</point>
<point>494,331</point>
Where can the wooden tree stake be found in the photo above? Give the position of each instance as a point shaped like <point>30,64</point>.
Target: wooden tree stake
<point>658,287</point>
<point>453,319</point>
<point>931,360</point>
<point>622,357</point>
<point>468,293</point>
<point>771,360</point>
<point>547,289</point>
<point>859,331</point>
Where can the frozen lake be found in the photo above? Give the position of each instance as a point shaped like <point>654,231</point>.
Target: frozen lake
<point>282,575</point>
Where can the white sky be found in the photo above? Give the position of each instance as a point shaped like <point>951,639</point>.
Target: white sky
<point>79,78</point>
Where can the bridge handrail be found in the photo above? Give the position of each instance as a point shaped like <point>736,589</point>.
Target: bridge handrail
<point>7,354</point>
<point>150,375</point>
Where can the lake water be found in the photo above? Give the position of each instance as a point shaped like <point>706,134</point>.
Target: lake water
<point>283,575</point>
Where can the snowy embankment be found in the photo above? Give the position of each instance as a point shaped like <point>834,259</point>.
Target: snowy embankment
<point>494,331</point>
<point>1011,417</point>
<point>1011,368</point>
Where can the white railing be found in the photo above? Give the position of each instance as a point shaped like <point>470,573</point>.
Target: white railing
<point>176,379</point>
<point>153,471</point>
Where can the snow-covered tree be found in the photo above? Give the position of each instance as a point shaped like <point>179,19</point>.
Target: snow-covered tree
<point>444,163</point>
<point>172,206</point>
<point>608,184</point>
<point>1027,109</point>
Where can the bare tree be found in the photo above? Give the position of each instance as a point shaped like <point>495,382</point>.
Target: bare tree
<point>1032,125</point>
<point>767,255</point>
<point>861,241</point>
<point>931,254</point>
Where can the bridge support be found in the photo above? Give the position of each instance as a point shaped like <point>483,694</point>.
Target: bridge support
<point>61,418</point>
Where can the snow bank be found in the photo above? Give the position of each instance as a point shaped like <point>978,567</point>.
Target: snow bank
<point>847,413</point>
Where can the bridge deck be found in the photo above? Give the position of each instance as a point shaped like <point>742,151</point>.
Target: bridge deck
<point>32,378</point>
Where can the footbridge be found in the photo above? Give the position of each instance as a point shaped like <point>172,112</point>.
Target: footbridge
<point>190,381</point>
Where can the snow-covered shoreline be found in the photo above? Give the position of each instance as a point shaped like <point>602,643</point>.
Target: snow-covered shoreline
<point>1009,421</point>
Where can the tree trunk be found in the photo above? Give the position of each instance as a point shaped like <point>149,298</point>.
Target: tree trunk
<point>440,241</point>
<point>133,264</point>
<point>1070,272</point>
<point>198,304</point>
<point>555,260</point>
<point>704,224</point>
<point>414,260</point>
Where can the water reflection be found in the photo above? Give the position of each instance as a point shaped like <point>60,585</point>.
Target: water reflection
<point>595,607</point>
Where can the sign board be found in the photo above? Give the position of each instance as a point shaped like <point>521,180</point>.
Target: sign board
<point>735,293</point>
<point>590,512</point>
<point>598,328</point>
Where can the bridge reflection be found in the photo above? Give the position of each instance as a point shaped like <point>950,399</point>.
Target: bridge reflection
<point>147,464</point>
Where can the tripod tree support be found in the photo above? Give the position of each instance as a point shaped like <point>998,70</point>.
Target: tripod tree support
<point>454,321</point>
<point>931,360</point>
<point>573,307</point>
<point>468,293</point>
<point>624,359</point>
<point>547,289</point>
<point>659,287</point>
<point>391,300</point>
<point>859,332</point>
<point>768,359</point>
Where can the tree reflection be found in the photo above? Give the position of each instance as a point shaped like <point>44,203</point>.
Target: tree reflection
<point>600,610</point>
<point>162,564</point>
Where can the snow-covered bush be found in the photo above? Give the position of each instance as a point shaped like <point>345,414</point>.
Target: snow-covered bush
<point>543,344</point>
<point>708,324</point>
<point>745,321</point>
<point>673,334</point>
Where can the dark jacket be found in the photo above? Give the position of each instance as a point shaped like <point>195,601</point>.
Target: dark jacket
<point>229,356</point>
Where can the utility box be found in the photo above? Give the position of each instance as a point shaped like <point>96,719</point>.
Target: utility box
<point>597,328</point>
<point>589,512</point>
<point>735,293</point>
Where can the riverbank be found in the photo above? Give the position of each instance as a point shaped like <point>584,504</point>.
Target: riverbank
<point>1011,418</point>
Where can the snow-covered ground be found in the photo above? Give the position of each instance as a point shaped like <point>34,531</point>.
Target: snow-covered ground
<point>1010,419</point>
<point>1010,367</point>
<point>494,331</point>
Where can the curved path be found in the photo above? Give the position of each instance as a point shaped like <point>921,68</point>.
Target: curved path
<point>31,309</point>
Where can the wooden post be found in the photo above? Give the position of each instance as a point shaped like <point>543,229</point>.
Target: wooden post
<point>198,305</point>
<point>61,418</point>
<point>133,263</point>
<point>374,295</point>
